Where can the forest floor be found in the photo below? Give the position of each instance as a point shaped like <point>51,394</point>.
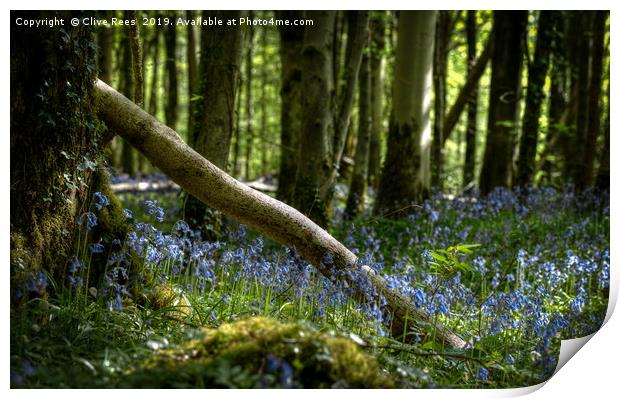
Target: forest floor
<point>511,274</point>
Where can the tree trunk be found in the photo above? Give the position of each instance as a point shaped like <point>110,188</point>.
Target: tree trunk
<point>377,35</point>
<point>249,116</point>
<point>201,178</point>
<point>602,178</point>
<point>507,60</point>
<point>127,88</point>
<point>357,190</point>
<point>440,73</point>
<point>52,133</point>
<point>473,77</point>
<point>264,143</point>
<point>405,178</point>
<point>291,43</point>
<point>105,40</point>
<point>552,159</point>
<point>472,103</point>
<point>597,55</point>
<point>170,39</point>
<point>315,163</point>
<point>192,72</point>
<point>536,76</point>
<point>357,35</point>
<point>154,91</point>
<point>220,59</point>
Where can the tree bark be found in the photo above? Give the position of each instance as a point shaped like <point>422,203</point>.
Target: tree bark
<point>473,77</point>
<point>127,88</point>
<point>220,59</point>
<point>192,72</point>
<point>249,115</point>
<point>291,43</point>
<point>597,55</point>
<point>170,40</point>
<point>52,132</point>
<point>536,76</point>
<point>357,35</point>
<point>357,190</point>
<point>440,73</point>
<point>154,91</point>
<point>263,106</point>
<point>405,179</point>
<point>507,60</point>
<point>602,177</point>
<point>377,35</point>
<point>201,178</point>
<point>472,103</point>
<point>315,162</point>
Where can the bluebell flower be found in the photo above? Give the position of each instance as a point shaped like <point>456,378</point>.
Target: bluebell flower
<point>483,374</point>
<point>88,220</point>
<point>100,200</point>
<point>96,248</point>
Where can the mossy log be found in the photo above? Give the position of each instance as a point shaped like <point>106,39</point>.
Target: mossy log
<point>166,150</point>
<point>260,352</point>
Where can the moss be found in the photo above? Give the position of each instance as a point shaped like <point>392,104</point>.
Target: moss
<point>168,299</point>
<point>261,352</point>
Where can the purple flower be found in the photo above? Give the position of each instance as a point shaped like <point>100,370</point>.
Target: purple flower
<point>100,200</point>
<point>96,248</point>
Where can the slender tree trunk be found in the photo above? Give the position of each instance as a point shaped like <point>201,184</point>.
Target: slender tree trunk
<point>192,72</point>
<point>602,178</point>
<point>357,190</point>
<point>377,34</point>
<point>405,178</point>
<point>536,76</point>
<point>357,35</point>
<point>154,92</point>
<point>263,106</point>
<point>249,115</point>
<point>507,60</point>
<point>237,139</point>
<point>552,159</point>
<point>315,163</point>
<point>340,23</point>
<point>472,103</point>
<point>597,54</point>
<point>473,77</point>
<point>166,150</point>
<point>137,67</point>
<point>105,39</point>
<point>170,39</point>
<point>291,43</point>
<point>220,59</point>
<point>127,88</point>
<point>440,73</point>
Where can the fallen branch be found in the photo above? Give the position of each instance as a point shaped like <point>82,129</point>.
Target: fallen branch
<point>166,150</point>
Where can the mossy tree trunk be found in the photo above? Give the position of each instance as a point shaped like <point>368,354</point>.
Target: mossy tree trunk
<point>220,59</point>
<point>53,131</point>
<point>472,102</point>
<point>602,177</point>
<point>357,190</point>
<point>377,46</point>
<point>506,64</point>
<point>405,178</point>
<point>154,90</point>
<point>315,162</point>
<point>201,178</point>
<point>291,42</point>
<point>536,76</point>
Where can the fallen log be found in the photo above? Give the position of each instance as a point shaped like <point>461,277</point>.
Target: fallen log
<point>166,150</point>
